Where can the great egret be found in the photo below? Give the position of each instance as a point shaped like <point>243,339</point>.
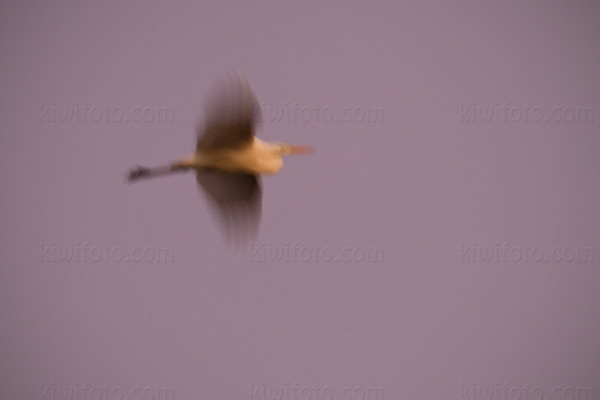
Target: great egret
<point>229,159</point>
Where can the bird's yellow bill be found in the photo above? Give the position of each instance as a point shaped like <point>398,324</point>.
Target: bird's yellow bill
<point>294,149</point>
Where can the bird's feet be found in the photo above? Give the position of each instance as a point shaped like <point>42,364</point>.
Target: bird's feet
<point>137,173</point>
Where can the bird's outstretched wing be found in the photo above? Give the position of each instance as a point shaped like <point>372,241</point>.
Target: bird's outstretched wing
<point>237,197</point>
<point>231,116</point>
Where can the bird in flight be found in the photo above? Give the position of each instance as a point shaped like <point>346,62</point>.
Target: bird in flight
<point>229,159</point>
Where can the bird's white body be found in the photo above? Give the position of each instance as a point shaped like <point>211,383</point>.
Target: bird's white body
<point>258,158</point>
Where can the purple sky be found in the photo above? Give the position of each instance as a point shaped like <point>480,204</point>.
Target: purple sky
<point>477,187</point>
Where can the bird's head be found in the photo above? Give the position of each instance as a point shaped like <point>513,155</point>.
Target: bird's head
<point>289,149</point>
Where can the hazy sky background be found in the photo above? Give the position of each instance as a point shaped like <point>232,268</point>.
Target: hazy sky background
<point>424,185</point>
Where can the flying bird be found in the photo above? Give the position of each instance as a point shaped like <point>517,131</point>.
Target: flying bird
<point>229,159</point>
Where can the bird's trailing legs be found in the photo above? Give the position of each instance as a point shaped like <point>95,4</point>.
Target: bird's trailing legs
<point>139,172</point>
